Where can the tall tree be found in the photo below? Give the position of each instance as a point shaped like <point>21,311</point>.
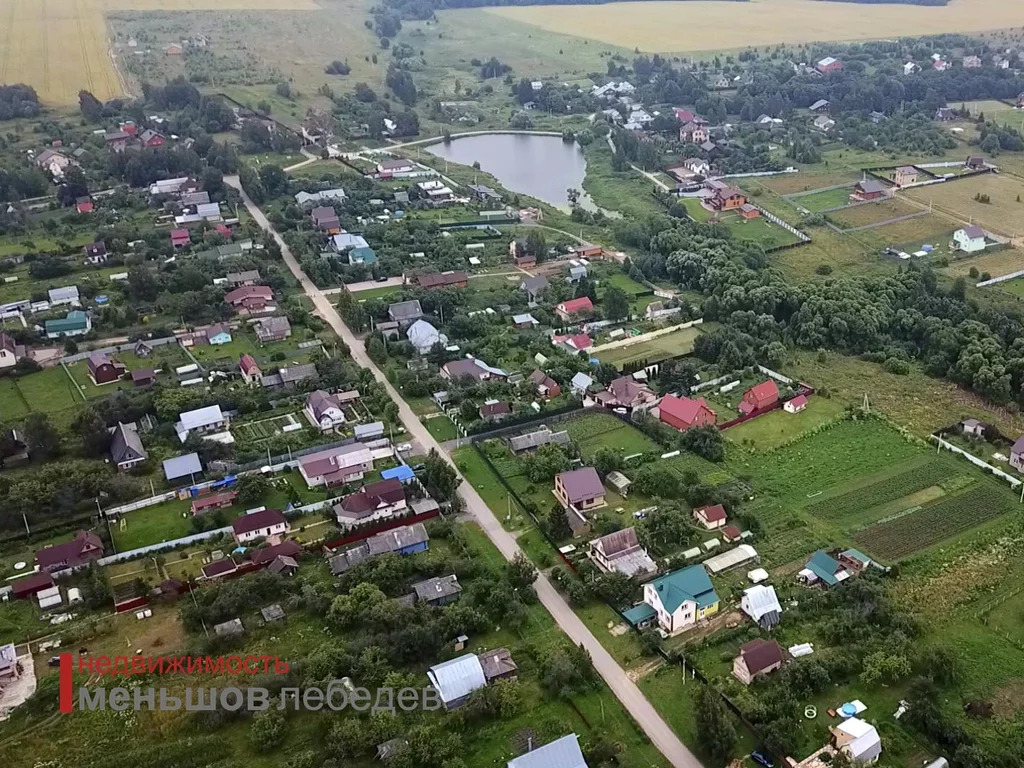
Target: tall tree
<point>715,729</point>
<point>41,438</point>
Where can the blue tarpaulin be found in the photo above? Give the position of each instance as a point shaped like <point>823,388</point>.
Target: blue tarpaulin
<point>403,473</point>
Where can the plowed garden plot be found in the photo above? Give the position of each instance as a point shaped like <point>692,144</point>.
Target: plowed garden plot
<point>931,524</point>
<point>882,492</point>
<point>872,213</point>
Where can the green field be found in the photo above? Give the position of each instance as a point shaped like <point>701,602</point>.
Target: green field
<point>653,350</point>
<point>442,428</point>
<point>593,431</point>
<point>778,427</point>
<point>822,201</point>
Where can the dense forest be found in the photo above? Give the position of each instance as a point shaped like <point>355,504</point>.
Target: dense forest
<point>424,9</point>
<point>18,101</point>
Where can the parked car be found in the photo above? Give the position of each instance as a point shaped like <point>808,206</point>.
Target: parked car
<point>762,759</point>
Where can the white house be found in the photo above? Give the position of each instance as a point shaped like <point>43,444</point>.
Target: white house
<point>457,678</point>
<point>423,336</point>
<point>762,605</point>
<point>262,524</point>
<point>336,466</point>
<point>676,601</point>
<point>969,239</point>
<point>859,740</point>
<point>324,410</point>
<point>67,295</point>
<point>201,420</point>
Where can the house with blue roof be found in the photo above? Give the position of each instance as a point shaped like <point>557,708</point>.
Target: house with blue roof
<point>677,601</point>
<point>829,570</point>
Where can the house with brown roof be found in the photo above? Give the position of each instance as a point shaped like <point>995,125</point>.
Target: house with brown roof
<point>684,412</point>
<point>726,198</point>
<point>621,552</point>
<point>580,488</point>
<point>325,219</point>
<point>693,133</point>
<point>266,555</point>
<point>495,411</point>
<point>104,370</point>
<point>213,501</point>
<point>219,569</point>
<point>81,550</point>
<point>336,466</point>
<point>757,659</point>
<point>498,665</point>
<point>711,516</point>
<point>266,523</point>
<point>469,368</point>
<point>626,392</point>
<point>374,501</point>
<point>869,189</point>
<point>324,410</point>
<point>759,397</point>
<point>250,299</point>
<point>544,385</point>
<point>270,329</point>
<point>451,279</point>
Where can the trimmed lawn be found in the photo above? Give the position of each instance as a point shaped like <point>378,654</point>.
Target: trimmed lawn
<point>377,293</point>
<point>601,430</point>
<point>49,390</point>
<point>653,350</point>
<point>822,201</point>
<point>442,428</point>
<point>12,404</point>
<point>778,427</point>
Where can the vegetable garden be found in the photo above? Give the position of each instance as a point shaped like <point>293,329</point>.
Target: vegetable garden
<point>932,523</point>
<point>889,489</point>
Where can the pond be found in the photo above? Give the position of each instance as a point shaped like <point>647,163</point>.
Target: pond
<point>544,167</point>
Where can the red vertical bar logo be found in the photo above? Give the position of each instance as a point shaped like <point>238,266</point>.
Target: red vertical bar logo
<point>66,672</point>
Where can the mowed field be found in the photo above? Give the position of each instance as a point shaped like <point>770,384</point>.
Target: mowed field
<point>699,25</point>
<point>1003,214</point>
<point>61,46</point>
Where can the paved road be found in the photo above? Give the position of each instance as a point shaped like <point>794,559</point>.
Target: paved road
<point>624,689</point>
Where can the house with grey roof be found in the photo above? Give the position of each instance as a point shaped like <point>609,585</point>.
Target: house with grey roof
<point>67,295</point>
<point>405,312</point>
<point>456,679</point>
<point>533,440</point>
<point>291,376</point>
<point>272,329</point>
<point>534,287</point>
<point>406,540</point>
<point>438,591</point>
<point>126,447</point>
<point>621,552</point>
<point>324,410</point>
<point>424,337</point>
<point>187,465</point>
<point>560,753</point>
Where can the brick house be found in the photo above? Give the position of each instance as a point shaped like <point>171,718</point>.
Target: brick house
<point>104,370</point>
<point>567,310</point>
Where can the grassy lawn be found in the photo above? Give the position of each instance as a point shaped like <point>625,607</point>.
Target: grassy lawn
<point>442,428</point>
<point>12,404</point>
<point>653,350</point>
<point>823,201</point>
<point>1002,214</point>
<point>759,230</point>
<point>593,431</point>
<point>872,213</point>
<point>49,390</point>
<point>377,293</point>
<point>778,427</point>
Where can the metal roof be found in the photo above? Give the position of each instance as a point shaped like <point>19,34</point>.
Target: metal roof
<point>180,466</point>
<point>201,417</point>
<point>457,678</point>
<point>561,753</point>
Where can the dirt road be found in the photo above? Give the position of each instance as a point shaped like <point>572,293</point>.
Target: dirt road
<point>625,690</point>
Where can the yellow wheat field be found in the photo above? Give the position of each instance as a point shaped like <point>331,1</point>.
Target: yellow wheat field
<point>61,46</point>
<point>713,25</point>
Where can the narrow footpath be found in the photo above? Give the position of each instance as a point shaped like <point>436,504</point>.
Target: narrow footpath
<point>625,690</point>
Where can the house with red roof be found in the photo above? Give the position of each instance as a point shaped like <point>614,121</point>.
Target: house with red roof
<point>546,386</point>
<point>223,230</point>
<point>759,397</point>
<point>577,342</point>
<point>684,412</point>
<point>267,555</point>
<point>266,523</point>
<point>567,310</point>
<point>494,411</point>
<point>81,550</point>
<point>180,238</point>
<point>30,585</point>
<point>151,138</point>
<point>219,569</point>
<point>84,205</point>
<point>711,516</point>
<point>250,369</point>
<point>795,404</point>
<point>213,501</point>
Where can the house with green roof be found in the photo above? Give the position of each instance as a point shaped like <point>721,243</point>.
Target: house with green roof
<point>362,255</point>
<point>75,323</point>
<point>677,601</point>
<point>829,570</point>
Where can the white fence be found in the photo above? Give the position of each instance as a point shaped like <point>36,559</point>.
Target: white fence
<point>1013,481</point>
<point>140,504</point>
<point>1000,279</point>
<point>195,537</point>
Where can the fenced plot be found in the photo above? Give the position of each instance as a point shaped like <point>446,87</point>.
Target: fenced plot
<point>823,200</point>
<point>653,350</point>
<point>266,428</point>
<point>889,489</point>
<point>873,213</point>
<point>601,430</point>
<point>933,523</point>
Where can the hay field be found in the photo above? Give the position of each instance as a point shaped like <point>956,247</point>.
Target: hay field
<point>703,25</point>
<point>1004,214</point>
<point>61,46</point>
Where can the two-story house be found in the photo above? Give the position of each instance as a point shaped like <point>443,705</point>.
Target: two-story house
<point>676,601</point>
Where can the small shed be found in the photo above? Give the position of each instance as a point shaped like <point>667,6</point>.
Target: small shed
<point>619,482</point>
<point>229,628</point>
<point>272,613</point>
